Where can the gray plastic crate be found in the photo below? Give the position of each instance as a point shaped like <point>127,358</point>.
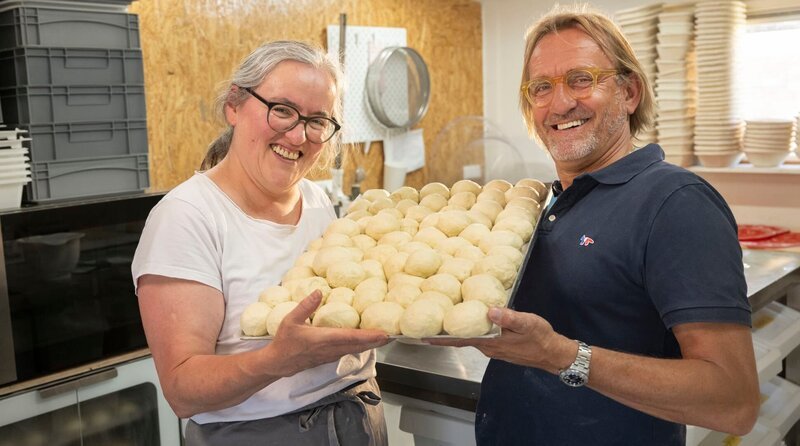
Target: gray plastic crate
<point>56,104</point>
<point>67,28</point>
<point>58,180</point>
<point>70,66</point>
<point>74,141</point>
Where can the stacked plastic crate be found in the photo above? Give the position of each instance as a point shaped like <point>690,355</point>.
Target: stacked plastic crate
<point>74,79</point>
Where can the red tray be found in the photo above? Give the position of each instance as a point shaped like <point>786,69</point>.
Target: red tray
<point>785,240</point>
<point>759,232</point>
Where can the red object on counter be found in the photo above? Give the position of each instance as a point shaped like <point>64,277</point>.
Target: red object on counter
<point>759,232</point>
<point>784,240</point>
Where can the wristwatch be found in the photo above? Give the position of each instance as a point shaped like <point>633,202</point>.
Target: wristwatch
<point>577,374</point>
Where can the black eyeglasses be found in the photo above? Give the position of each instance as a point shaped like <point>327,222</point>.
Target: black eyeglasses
<point>283,117</point>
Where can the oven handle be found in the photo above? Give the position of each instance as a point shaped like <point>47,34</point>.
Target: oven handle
<point>75,384</point>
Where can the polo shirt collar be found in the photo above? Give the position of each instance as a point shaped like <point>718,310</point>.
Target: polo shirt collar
<point>623,170</point>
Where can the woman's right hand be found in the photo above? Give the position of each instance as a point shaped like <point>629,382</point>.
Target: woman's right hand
<point>304,346</point>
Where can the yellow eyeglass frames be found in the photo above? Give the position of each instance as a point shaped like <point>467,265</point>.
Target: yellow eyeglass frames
<point>579,83</point>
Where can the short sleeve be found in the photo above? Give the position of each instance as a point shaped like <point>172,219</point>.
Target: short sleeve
<point>693,261</point>
<point>181,242</point>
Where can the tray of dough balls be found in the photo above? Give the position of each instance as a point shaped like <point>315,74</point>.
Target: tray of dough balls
<point>413,263</point>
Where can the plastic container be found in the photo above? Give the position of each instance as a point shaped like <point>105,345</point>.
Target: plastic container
<point>11,193</point>
<point>56,27</point>
<point>768,361</point>
<point>781,409</point>
<point>33,66</point>
<point>778,326</point>
<point>62,142</point>
<point>52,256</point>
<point>49,104</point>
<point>56,180</point>
<point>759,436</point>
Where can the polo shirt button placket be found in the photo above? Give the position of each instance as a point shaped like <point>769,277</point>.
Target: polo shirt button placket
<point>551,218</point>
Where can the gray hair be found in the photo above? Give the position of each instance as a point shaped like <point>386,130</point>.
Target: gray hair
<point>252,71</point>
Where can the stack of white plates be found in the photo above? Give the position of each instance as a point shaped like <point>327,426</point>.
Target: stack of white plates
<point>640,26</point>
<point>675,86</point>
<point>718,126</point>
<point>768,142</point>
<point>14,168</point>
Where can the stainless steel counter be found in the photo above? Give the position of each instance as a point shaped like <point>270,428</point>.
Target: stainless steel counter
<point>452,376</point>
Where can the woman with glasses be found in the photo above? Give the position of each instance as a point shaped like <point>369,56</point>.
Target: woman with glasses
<point>216,240</point>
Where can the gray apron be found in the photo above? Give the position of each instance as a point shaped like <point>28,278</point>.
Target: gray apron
<point>349,417</point>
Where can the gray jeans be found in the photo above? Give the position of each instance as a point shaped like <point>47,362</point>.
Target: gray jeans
<point>350,417</point>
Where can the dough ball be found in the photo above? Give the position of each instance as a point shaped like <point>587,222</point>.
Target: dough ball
<point>526,203</point>
<point>537,185</point>
<point>513,254</point>
<point>453,207</point>
<point>462,199</point>
<point>429,221</point>
<point>469,252</point>
<point>297,272</point>
<point>514,213</point>
<point>336,239</point>
<point>383,316</point>
<point>356,255</point>
<point>423,318</point>
<point>404,205</point>
<point>375,194</point>
<point>254,319</point>
<point>358,215</point>
<point>395,264</point>
<point>380,225</point>
<point>363,242</point>
<point>440,299</point>
<point>274,295</point>
<point>474,233</point>
<point>446,284</point>
<point>409,225</point>
<point>359,204</point>
<point>369,291</point>
<point>434,202</point>
<point>418,212</point>
<point>345,274</point>
<point>396,239</point>
<point>341,294</point>
<point>488,208</point>
<point>404,279</point>
<point>521,191</point>
<point>468,319</point>
<point>413,246</point>
<point>450,245</point>
<point>460,268</point>
<point>485,288</point>
<point>373,268</point>
<point>315,245</point>
<point>303,287</point>
<point>405,193</point>
<point>522,228</point>
<point>479,218</point>
<point>492,195</point>
<point>336,315</point>
<point>381,253</point>
<point>329,256</point>
<point>344,226</point>
<point>451,223</point>
<point>465,186</point>
<point>423,263</point>
<point>306,259</point>
<point>498,266</point>
<point>362,222</point>
<point>393,212</point>
<point>403,294</point>
<point>434,188</point>
<point>501,237</point>
<point>380,204</point>
<point>276,316</point>
<point>501,185</point>
<point>430,236</point>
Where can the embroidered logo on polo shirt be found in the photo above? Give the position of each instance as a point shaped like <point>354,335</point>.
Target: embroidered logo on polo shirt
<point>586,241</point>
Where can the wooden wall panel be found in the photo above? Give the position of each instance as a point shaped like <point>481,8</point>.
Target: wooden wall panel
<point>191,46</point>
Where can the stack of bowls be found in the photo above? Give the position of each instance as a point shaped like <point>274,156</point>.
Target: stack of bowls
<point>767,143</point>
<point>675,86</point>
<point>14,168</point>
<point>718,125</point>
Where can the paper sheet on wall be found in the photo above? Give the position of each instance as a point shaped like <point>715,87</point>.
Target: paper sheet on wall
<point>407,149</point>
<point>362,45</point>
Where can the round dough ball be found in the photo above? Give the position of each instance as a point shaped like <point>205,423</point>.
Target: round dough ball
<point>375,194</point>
<point>446,284</point>
<point>429,221</point>
<point>404,205</point>
<point>373,268</point>
<point>513,254</point>
<point>434,188</point>
<point>474,233</point>
<point>498,266</point>
<point>297,272</point>
<point>450,245</point>
<point>395,264</point>
<point>383,316</point>
<point>492,195</point>
<point>396,239</point>
<point>418,212</point>
<point>485,288</point>
<point>413,246</point>
<point>460,268</point>
<point>405,193</point>
<point>423,263</point>
<point>501,185</point>
<point>434,202</point>
<point>345,274</point>
<point>359,204</point>
<point>526,203</point>
<point>362,222</point>
<point>451,223</point>
<point>303,287</point>
<point>380,225</point>
<point>437,297</point>
<point>369,291</point>
<point>356,254</point>
<point>254,319</point>
<point>521,191</point>
<point>468,319</point>
<point>315,245</point>
<point>363,242</point>
<point>274,295</point>
<point>453,207</point>
<point>479,218</point>
<point>465,186</point>
<point>393,212</point>
<point>488,208</point>
<point>537,185</point>
<point>522,228</point>
<point>462,199</point>
<point>403,294</point>
<point>329,256</point>
<point>380,204</point>
<point>341,294</point>
<point>514,213</point>
<point>306,259</point>
<point>276,316</point>
<point>469,252</point>
<point>381,253</point>
<point>430,236</point>
<point>358,215</point>
<point>336,315</point>
<point>336,239</point>
<point>344,226</point>
<point>423,318</point>
<point>404,279</point>
<point>501,237</point>
<point>409,225</point>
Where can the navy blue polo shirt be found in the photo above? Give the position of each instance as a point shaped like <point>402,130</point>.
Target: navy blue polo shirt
<point>623,255</point>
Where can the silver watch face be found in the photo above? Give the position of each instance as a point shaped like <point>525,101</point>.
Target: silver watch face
<point>573,378</point>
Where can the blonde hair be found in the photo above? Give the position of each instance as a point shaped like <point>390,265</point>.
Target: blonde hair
<point>611,41</point>
<point>252,71</point>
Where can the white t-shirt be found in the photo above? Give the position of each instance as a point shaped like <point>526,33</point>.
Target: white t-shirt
<point>196,232</point>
